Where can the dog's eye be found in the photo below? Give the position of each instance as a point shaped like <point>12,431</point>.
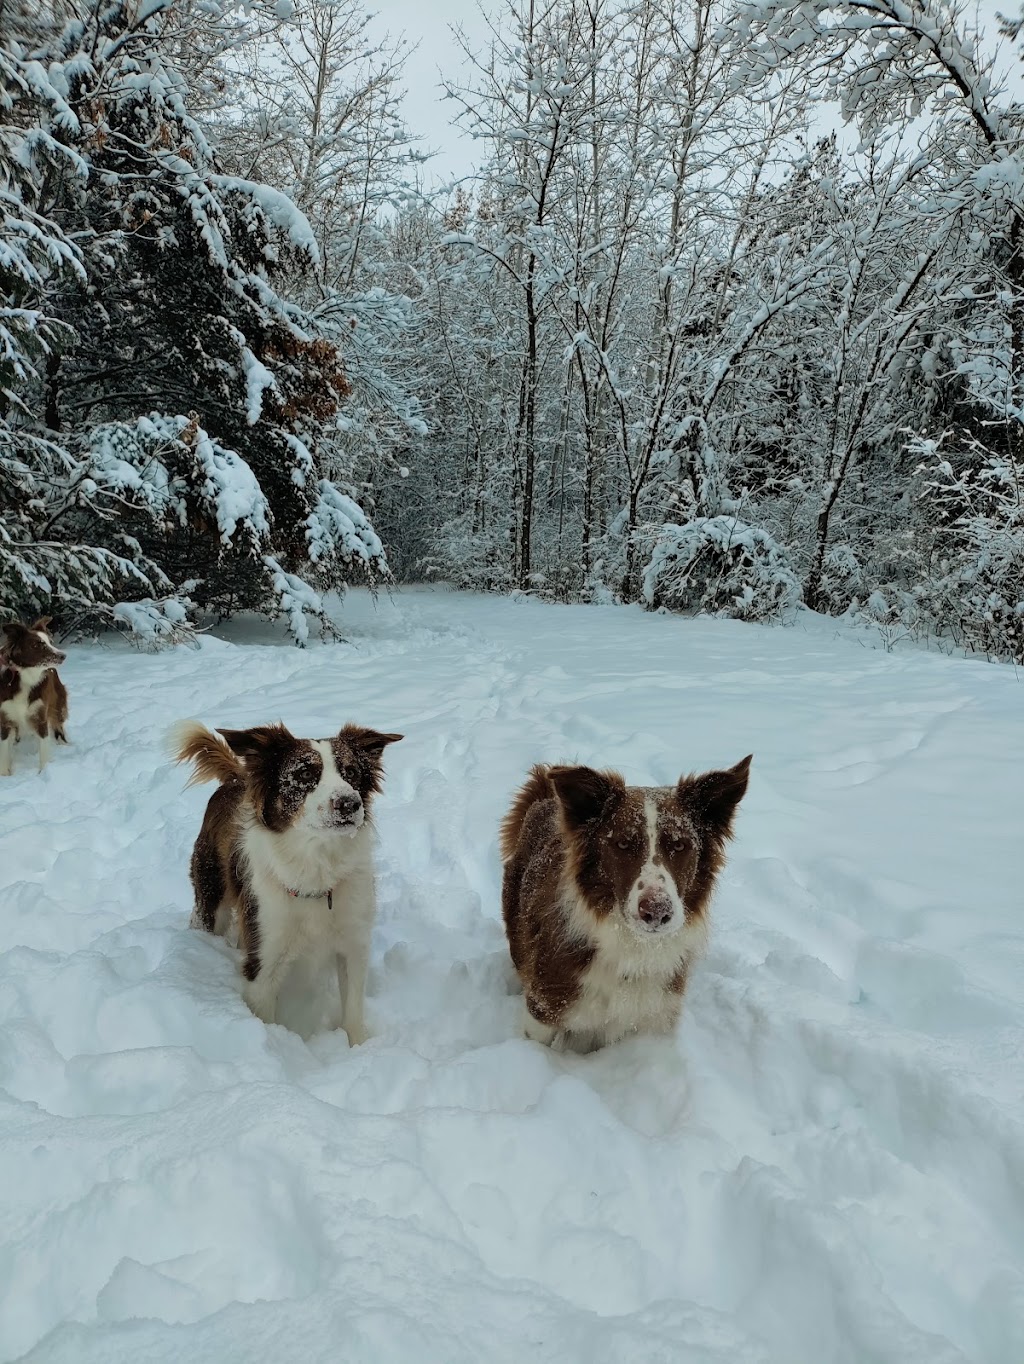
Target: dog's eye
<point>623,843</point>
<point>302,775</point>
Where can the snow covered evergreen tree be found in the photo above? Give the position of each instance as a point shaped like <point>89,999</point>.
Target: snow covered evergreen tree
<point>172,395</point>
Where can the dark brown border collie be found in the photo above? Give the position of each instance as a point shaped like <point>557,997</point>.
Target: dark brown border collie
<point>605,892</point>
<point>33,699</point>
<point>285,854</point>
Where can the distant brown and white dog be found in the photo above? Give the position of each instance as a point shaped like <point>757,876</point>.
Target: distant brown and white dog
<point>33,699</point>
<point>285,854</point>
<point>605,895</point>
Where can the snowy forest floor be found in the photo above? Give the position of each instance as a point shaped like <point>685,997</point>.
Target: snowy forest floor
<point>826,1164</point>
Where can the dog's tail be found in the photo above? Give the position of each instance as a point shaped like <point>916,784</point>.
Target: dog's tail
<point>191,742</point>
<point>536,787</point>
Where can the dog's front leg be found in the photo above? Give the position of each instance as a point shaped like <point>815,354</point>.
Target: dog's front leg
<point>261,996</point>
<point>545,1033</point>
<point>349,1014</point>
<point>269,951</point>
<point>44,750</point>
<point>41,725</point>
<point>356,912</point>
<point>6,750</point>
<point>353,964</point>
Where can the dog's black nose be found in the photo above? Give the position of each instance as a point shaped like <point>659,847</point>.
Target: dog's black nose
<point>343,805</point>
<point>655,908</point>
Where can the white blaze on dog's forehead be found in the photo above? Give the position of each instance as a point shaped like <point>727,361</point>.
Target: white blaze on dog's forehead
<point>653,875</point>
<point>331,782</point>
<point>651,825</point>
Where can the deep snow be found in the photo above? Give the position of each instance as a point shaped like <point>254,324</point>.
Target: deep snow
<point>827,1163</point>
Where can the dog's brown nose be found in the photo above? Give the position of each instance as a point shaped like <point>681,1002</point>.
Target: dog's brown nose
<point>345,805</point>
<point>654,908</point>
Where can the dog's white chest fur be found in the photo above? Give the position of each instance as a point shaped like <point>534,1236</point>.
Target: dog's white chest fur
<point>305,859</point>
<point>17,710</point>
<point>313,865</point>
<point>627,986</point>
<point>309,926</point>
<point>17,714</point>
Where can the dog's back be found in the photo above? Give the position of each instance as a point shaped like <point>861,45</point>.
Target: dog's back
<point>535,789</point>
<point>54,696</point>
<point>214,880</point>
<point>533,851</point>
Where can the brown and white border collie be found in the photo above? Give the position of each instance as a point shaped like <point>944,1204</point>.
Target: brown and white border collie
<point>606,888</point>
<point>285,854</point>
<point>33,699</point>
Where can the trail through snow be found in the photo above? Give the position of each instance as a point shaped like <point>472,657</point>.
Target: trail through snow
<point>826,1164</point>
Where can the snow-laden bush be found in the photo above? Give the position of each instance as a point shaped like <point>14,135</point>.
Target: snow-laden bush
<point>478,561</point>
<point>153,624</point>
<point>842,580</point>
<point>719,565</point>
<point>972,584</point>
<point>893,611</point>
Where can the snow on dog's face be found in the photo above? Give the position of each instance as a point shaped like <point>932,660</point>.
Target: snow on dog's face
<point>30,646</point>
<point>648,854</point>
<point>323,785</point>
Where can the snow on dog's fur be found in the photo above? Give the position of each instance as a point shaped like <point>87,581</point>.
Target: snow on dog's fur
<point>33,699</point>
<point>284,856</point>
<point>606,888</point>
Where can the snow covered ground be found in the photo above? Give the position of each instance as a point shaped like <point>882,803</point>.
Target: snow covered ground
<point>827,1163</point>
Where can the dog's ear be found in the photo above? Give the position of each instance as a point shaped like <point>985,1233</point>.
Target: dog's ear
<point>583,793</point>
<point>712,797</point>
<point>369,741</point>
<point>15,629</point>
<point>254,745</point>
<point>43,623</point>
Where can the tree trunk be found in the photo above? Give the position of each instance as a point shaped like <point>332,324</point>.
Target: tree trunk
<point>588,502</point>
<point>52,412</point>
<point>529,436</point>
<point>812,587</point>
<point>629,580</point>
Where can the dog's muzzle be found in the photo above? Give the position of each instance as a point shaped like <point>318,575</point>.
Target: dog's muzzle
<point>345,812</point>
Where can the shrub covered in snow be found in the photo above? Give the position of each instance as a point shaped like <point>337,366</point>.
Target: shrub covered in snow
<point>843,580</point>
<point>719,565</point>
<point>972,576</point>
<point>468,558</point>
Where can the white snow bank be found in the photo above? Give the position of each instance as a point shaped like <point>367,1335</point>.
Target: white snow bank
<point>826,1165</point>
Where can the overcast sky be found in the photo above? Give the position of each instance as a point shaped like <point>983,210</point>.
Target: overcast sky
<point>428,24</point>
